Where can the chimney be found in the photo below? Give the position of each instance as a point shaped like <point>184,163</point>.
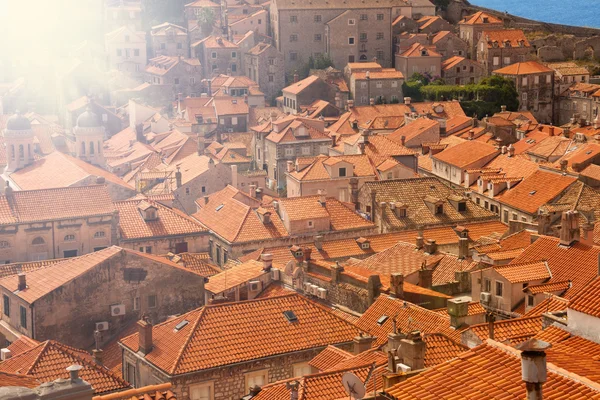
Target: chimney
<point>402,140</point>
<point>471,134</point>
<point>503,149</point>
<point>98,356</point>
<point>290,166</point>
<point>425,277</point>
<point>463,248</point>
<point>371,101</point>
<point>178,177</point>
<point>395,336</point>
<point>502,108</point>
<point>588,230</point>
<point>296,77</point>
<point>407,101</point>
<point>563,165</point>
<point>569,228</point>
<point>100,180</point>
<point>397,285</point>
<point>551,131</point>
<point>252,191</point>
<point>205,200</point>
<point>293,387</point>
<point>267,260</point>
<point>430,246</point>
<point>533,367</point>
<point>412,351</point>
<point>362,343</point>
<point>491,319</point>
<point>596,123</point>
<point>144,336</point>
<point>319,242</point>
<point>74,373</point>
<point>322,197</point>
<point>307,251</point>
<point>511,150</point>
<point>201,145</point>
<point>139,133</point>
<point>8,191</point>
<point>458,309</point>
<point>22,281</point>
<point>354,191</point>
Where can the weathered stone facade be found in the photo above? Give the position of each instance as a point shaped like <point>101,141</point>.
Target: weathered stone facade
<point>264,65</point>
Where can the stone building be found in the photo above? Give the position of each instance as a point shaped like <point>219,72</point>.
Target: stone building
<point>126,50</point>
<point>498,49</point>
<point>175,74</point>
<point>118,13</point>
<point>459,70</point>
<point>338,28</point>
<point>472,27</point>
<point>218,56</point>
<point>287,332</point>
<point>170,40</point>
<point>264,65</point>
<point>449,45</point>
<point>578,103</point>
<point>417,203</point>
<point>257,22</point>
<point>380,85</point>
<point>433,24</point>
<point>535,84</point>
<point>567,74</point>
<point>453,163</point>
<point>152,227</point>
<point>56,223</point>
<point>419,59</point>
<point>106,290</point>
<point>306,92</point>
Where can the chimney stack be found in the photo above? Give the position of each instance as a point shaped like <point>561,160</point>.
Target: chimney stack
<point>503,149</point>
<point>491,320</point>
<point>569,228</point>
<point>511,150</point>
<point>412,351</point>
<point>74,373</point>
<point>290,166</point>
<point>252,191</point>
<point>319,242</point>
<point>551,131</point>
<point>5,354</point>
<point>267,260</point>
<point>362,343</point>
<point>322,197</point>
<point>407,101</point>
<point>588,230</point>
<point>502,108</point>
<point>402,140</point>
<point>22,281</point>
<point>430,246</point>
<point>534,370</point>
<point>463,248</point>
<point>144,336</point>
<point>293,387</point>
<point>296,77</point>
<point>425,277</point>
<point>397,285</point>
<point>419,241</point>
<point>178,177</point>
<point>371,101</point>
<point>201,145</point>
<point>307,251</point>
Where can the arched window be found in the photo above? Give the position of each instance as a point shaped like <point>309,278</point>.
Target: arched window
<point>82,147</point>
<point>363,58</point>
<point>69,238</point>
<point>92,148</point>
<point>4,244</point>
<point>38,240</point>
<point>12,151</point>
<point>99,234</point>
<point>28,150</point>
<point>21,152</point>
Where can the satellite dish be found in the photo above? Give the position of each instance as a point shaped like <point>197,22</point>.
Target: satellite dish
<point>353,386</point>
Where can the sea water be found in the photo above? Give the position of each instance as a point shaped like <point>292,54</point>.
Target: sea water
<point>566,12</point>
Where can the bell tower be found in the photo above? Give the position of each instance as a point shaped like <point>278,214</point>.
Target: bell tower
<point>18,138</point>
<point>89,138</point>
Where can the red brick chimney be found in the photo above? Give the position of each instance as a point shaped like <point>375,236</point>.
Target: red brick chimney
<point>145,336</point>
<point>22,282</point>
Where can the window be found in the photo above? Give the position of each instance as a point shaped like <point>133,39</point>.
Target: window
<point>478,201</point>
<point>21,152</point>
<point>379,17</point>
<point>4,244</point>
<point>342,172</point>
<point>499,287</point>
<point>363,37</point>
<point>379,35</point>
<point>536,80</point>
<point>363,17</point>
<point>69,238</point>
<point>37,241</point>
<point>530,301</point>
<point>351,22</point>
<point>306,150</point>
<point>204,391</point>
<point>289,152</point>
<point>301,369</point>
<point>310,224</point>
<point>318,18</point>
<point>350,40</point>
<point>439,209</point>
<point>379,55</point>
<point>487,285</point>
<point>350,59</point>
<point>192,81</point>
<point>363,85</point>
<point>271,78</point>
<point>462,206</point>
<point>234,54</point>
<point>317,37</point>
<point>130,373</point>
<point>176,81</point>
<point>233,67</point>
<point>524,96</point>
<point>213,55</point>
<point>6,302</point>
<point>203,189</point>
<point>152,301</point>
<point>506,60</point>
<point>293,19</point>
<point>496,61</point>
<point>136,303</point>
<point>257,378</point>
<point>149,249</point>
<point>23,313</point>
<point>379,84</point>
<point>486,205</point>
<point>136,52</point>
<point>293,56</point>
<point>179,46</point>
<point>524,81</point>
<point>549,78</point>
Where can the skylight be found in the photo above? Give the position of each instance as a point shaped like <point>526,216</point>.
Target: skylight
<point>290,316</point>
<point>219,207</point>
<point>382,320</point>
<point>181,325</point>
<point>532,192</point>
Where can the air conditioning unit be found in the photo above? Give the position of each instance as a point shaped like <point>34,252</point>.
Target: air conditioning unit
<point>314,290</point>
<point>485,297</point>
<point>116,310</point>
<point>5,354</point>
<point>322,293</point>
<point>275,274</point>
<point>102,326</point>
<point>307,287</point>
<point>403,368</point>
<point>254,286</point>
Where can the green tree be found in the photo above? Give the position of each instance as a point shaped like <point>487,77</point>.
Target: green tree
<point>206,20</point>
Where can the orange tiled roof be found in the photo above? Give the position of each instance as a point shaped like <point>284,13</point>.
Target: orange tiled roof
<point>474,308</point>
<point>549,287</point>
<point>21,345</point>
<point>299,86</point>
<point>487,371</point>
<point>506,38</point>
<point>233,277</point>
<point>48,361</point>
<point>17,268</point>
<point>480,17</point>
<point>317,169</point>
<point>513,331</point>
<point>199,263</point>
<point>538,189</point>
<point>169,222</point>
<point>329,358</point>
<point>9,379</point>
<point>292,127</point>
<point>408,317</point>
<point>465,154</point>
<point>439,348</point>
<point>216,42</point>
<point>53,204</point>
<point>199,345</point>
<point>419,50</point>
<point>551,304</point>
<point>112,354</point>
<point>577,263</point>
<point>523,68</point>
<point>152,392</point>
<point>588,299</point>
<point>526,272</point>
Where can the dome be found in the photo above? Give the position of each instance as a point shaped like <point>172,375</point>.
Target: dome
<point>18,122</point>
<point>88,120</point>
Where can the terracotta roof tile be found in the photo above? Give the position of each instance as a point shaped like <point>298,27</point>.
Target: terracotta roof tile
<point>52,204</point>
<point>21,345</point>
<point>440,348</point>
<point>465,154</point>
<point>474,308</point>
<point>419,50</point>
<point>551,304</point>
<point>329,358</point>
<point>512,331</point>
<point>507,38</point>
<point>526,272</point>
<point>523,68</point>
<point>558,286</point>
<point>17,268</point>
<point>199,263</point>
<point>48,361</point>
<point>169,221</point>
<point>317,170</point>
<point>9,379</point>
<point>233,277</point>
<point>480,17</point>
<point>487,371</point>
<point>199,345</point>
<point>588,299</point>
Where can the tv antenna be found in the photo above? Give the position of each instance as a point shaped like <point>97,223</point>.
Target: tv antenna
<point>353,386</point>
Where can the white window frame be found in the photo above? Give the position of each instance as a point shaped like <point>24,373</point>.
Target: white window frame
<point>301,369</point>
<point>496,61</point>
<point>209,385</point>
<point>305,150</point>
<point>290,152</point>
<point>250,376</point>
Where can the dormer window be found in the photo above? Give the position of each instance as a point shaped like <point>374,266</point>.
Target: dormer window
<point>439,209</point>
<point>364,244</point>
<point>148,211</point>
<point>342,172</point>
<point>462,206</point>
